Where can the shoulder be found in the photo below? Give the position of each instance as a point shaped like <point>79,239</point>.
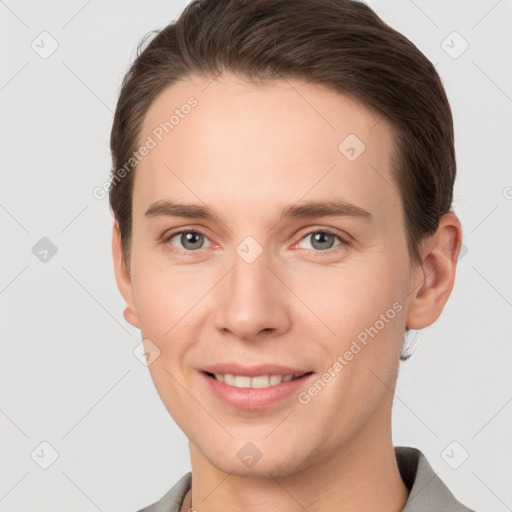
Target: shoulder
<point>173,499</point>
<point>428,493</point>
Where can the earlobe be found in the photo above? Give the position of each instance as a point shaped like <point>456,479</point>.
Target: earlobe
<point>131,317</point>
<point>123,278</point>
<point>432,283</point>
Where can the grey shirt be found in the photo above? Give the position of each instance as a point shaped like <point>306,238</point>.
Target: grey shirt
<point>427,491</point>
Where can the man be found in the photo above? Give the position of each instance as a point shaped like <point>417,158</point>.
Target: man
<point>282,188</point>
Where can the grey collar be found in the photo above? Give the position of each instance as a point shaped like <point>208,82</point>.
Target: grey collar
<point>427,491</point>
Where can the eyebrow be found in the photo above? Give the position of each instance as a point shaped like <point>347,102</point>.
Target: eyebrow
<point>309,209</point>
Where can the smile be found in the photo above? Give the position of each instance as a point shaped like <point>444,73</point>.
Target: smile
<point>260,381</point>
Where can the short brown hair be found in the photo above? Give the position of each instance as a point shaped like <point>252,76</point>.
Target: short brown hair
<point>341,44</point>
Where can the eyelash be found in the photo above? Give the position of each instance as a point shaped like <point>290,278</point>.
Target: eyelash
<point>343,241</point>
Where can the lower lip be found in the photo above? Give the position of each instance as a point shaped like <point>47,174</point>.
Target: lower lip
<point>254,398</point>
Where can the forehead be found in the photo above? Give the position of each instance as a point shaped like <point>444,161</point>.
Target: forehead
<point>232,142</point>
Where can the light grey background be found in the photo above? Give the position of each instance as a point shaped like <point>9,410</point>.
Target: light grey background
<point>68,375</point>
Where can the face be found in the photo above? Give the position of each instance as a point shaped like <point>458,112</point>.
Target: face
<point>254,274</point>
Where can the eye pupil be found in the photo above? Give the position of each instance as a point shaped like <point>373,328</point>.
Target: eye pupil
<point>190,238</point>
<point>320,238</point>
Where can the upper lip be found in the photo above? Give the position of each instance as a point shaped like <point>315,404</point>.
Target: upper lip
<point>253,371</point>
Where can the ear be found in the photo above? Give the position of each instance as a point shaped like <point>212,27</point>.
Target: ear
<point>123,278</point>
<point>433,280</point>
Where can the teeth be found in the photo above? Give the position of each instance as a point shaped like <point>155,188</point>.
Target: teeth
<point>261,381</point>
<point>275,379</point>
<point>242,382</point>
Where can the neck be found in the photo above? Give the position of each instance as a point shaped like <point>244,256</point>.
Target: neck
<point>360,475</point>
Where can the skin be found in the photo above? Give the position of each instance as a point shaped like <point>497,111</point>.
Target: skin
<point>247,151</point>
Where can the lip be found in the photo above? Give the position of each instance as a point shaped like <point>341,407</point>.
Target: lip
<point>253,371</point>
<point>254,398</point>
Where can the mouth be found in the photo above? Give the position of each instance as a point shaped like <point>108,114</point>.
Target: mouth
<point>257,381</point>
<point>254,387</point>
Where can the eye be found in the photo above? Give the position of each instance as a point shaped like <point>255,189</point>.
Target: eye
<point>190,240</point>
<point>323,240</point>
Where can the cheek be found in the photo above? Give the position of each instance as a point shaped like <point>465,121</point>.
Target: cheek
<point>170,302</point>
<point>154,297</point>
<point>158,298</point>
<point>350,297</point>
<point>165,299</point>
<point>338,300</point>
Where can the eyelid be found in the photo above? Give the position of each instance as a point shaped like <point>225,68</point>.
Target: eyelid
<point>343,237</point>
<point>165,238</point>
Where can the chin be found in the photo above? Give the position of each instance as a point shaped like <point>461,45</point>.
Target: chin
<point>259,470</point>
<point>249,461</point>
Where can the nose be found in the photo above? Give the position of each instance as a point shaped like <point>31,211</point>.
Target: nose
<point>252,301</point>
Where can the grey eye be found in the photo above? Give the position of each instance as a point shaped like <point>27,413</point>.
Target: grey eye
<point>324,240</point>
<point>190,240</point>
<point>321,240</point>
